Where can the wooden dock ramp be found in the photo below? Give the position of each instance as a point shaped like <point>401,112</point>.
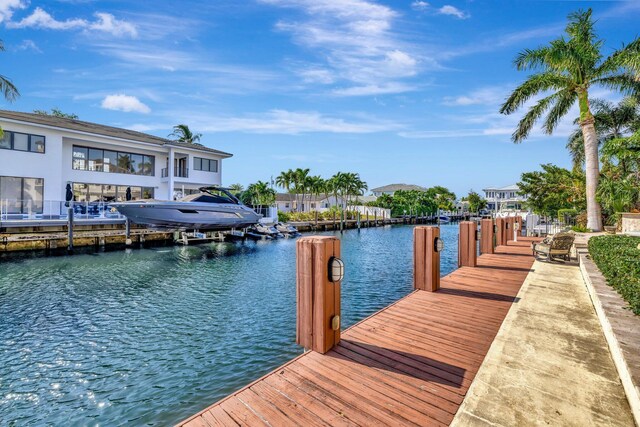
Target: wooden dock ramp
<point>408,364</point>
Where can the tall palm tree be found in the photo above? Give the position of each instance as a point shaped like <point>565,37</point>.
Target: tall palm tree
<point>300,181</point>
<point>182,133</point>
<point>611,121</point>
<point>569,68</point>
<point>285,181</point>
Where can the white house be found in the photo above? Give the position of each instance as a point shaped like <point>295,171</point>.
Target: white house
<point>392,188</point>
<point>501,199</point>
<point>287,202</point>
<point>40,155</point>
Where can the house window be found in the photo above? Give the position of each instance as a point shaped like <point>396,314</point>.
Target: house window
<point>22,142</point>
<point>286,205</point>
<point>21,195</point>
<point>98,160</point>
<point>207,165</point>
<point>108,193</point>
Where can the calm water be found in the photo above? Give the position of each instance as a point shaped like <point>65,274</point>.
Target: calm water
<point>152,336</point>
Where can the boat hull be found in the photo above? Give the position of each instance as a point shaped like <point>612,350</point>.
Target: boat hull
<point>188,215</point>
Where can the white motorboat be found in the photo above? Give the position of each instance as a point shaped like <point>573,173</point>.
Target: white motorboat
<point>214,208</point>
<point>286,229</point>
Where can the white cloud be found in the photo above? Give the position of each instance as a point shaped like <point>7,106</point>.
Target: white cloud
<point>126,103</point>
<point>483,96</point>
<point>420,5</point>
<point>41,19</point>
<point>104,23</point>
<point>7,7</point>
<point>28,45</point>
<point>109,24</point>
<point>354,40</point>
<point>277,121</point>
<point>369,90</point>
<point>453,11</point>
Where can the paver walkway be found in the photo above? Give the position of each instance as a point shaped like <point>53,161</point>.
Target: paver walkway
<point>549,364</point>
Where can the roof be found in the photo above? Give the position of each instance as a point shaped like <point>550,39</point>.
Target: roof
<point>102,130</point>
<point>396,187</point>
<point>512,187</point>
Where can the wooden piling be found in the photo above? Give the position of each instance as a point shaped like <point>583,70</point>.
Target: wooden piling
<point>426,260</point>
<point>487,236</point>
<point>467,244</point>
<point>501,231</point>
<point>510,229</point>
<point>317,299</point>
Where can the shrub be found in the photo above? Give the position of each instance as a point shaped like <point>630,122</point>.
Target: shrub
<point>565,215</point>
<point>283,216</point>
<point>580,229</point>
<point>581,220</point>
<point>618,258</point>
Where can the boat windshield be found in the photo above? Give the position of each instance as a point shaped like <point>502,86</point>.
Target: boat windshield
<point>211,198</point>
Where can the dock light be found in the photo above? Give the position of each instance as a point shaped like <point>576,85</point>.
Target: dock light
<point>438,244</point>
<point>336,269</point>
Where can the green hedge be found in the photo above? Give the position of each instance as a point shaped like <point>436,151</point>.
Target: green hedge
<point>618,257</point>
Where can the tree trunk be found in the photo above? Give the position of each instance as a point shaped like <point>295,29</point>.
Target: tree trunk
<point>594,215</point>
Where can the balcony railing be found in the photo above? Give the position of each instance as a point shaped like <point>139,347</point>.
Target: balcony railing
<point>177,172</point>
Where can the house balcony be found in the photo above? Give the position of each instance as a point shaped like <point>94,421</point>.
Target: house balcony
<point>177,172</point>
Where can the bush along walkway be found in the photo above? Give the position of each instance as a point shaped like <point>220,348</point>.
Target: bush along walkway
<point>618,258</point>
<point>550,363</point>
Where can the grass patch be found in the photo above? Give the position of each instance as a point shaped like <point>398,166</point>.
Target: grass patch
<point>618,258</point>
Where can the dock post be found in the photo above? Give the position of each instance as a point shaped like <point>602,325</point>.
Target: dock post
<point>70,229</point>
<point>487,236</point>
<point>510,228</point>
<point>426,258</point>
<point>467,244</point>
<point>517,229</point>
<point>358,220</point>
<point>501,231</point>
<point>319,272</point>
<point>127,226</point>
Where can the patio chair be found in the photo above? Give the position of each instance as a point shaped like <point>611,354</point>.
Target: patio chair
<point>556,246</point>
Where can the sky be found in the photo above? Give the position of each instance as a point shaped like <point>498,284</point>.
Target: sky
<point>397,91</point>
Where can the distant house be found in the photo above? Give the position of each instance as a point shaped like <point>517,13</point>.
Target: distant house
<point>287,202</point>
<point>504,198</point>
<point>392,188</point>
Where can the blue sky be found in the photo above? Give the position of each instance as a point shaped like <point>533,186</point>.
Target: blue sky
<point>399,91</point>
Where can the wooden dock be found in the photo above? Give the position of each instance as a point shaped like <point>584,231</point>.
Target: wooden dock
<point>408,364</point>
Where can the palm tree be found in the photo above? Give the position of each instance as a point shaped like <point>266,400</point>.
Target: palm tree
<point>182,133</point>
<point>259,194</point>
<point>611,122</point>
<point>569,68</point>
<point>285,181</point>
<point>8,89</point>
<point>299,183</point>
<point>236,188</point>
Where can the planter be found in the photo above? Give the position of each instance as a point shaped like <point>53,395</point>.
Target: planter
<point>611,229</point>
<point>630,222</point>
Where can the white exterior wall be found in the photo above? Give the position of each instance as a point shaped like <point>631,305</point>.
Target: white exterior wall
<point>55,166</point>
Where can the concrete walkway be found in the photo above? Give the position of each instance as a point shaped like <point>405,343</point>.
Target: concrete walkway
<point>549,364</point>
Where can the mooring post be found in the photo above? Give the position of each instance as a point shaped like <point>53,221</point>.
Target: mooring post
<point>517,228</point>
<point>501,231</point>
<point>319,272</point>
<point>487,236</point>
<point>510,227</point>
<point>127,227</point>
<point>467,244</point>
<point>426,258</point>
<point>70,228</point>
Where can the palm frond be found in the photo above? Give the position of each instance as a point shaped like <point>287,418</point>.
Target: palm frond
<point>524,126</point>
<point>8,89</point>
<point>627,57</point>
<point>575,145</point>
<point>625,83</point>
<point>563,104</point>
<point>531,58</point>
<point>533,85</point>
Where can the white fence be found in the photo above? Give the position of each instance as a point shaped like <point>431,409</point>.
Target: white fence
<point>371,211</point>
<point>16,210</point>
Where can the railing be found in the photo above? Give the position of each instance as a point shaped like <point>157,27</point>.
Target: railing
<point>544,225</point>
<point>28,210</point>
<point>177,172</point>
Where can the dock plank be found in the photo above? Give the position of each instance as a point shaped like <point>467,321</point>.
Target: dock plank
<point>409,364</point>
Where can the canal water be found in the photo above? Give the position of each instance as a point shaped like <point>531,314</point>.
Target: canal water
<point>152,336</point>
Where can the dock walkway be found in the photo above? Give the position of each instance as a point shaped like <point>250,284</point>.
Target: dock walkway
<point>408,364</point>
